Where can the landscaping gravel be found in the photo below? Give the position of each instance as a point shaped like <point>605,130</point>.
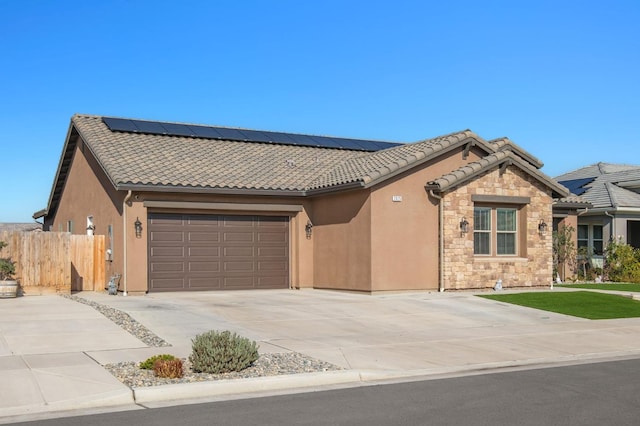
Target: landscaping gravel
<point>272,364</point>
<point>129,373</point>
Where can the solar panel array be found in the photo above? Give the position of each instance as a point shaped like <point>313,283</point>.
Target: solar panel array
<point>577,186</point>
<point>225,133</point>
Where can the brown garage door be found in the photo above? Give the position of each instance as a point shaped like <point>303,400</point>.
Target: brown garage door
<point>217,252</point>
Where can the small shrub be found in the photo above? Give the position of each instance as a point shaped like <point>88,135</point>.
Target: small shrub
<point>168,368</point>
<point>150,362</point>
<point>222,352</point>
<point>7,266</point>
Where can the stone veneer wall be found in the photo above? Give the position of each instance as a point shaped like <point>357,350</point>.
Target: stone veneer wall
<point>463,270</point>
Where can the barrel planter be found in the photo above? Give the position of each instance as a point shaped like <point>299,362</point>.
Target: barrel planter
<point>8,289</point>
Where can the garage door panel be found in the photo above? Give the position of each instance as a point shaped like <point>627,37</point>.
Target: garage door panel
<point>201,236</point>
<point>271,237</point>
<point>166,220</point>
<point>272,266</point>
<point>205,284</point>
<point>169,251</point>
<point>169,284</point>
<point>202,221</point>
<point>204,266</point>
<point>207,251</point>
<point>235,237</point>
<point>217,252</point>
<point>239,251</point>
<point>167,267</point>
<point>167,236</point>
<point>272,252</point>
<point>238,282</point>
<point>238,221</point>
<point>238,266</point>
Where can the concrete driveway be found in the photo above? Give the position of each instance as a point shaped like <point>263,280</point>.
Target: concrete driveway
<point>52,348</point>
<point>398,333</point>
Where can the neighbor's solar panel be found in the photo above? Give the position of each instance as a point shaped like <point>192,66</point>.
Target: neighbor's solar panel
<point>577,186</point>
<point>225,133</point>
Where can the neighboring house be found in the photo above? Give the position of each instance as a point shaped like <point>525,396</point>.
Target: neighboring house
<point>613,191</point>
<point>18,226</point>
<point>190,207</point>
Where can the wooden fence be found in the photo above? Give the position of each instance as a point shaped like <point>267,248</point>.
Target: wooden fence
<point>56,262</point>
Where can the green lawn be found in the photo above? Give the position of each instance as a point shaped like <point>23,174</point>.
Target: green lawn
<point>605,286</point>
<point>583,304</point>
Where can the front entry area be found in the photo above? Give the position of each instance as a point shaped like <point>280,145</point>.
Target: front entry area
<point>217,252</point>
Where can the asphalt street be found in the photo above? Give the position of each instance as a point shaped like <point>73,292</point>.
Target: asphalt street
<point>586,394</point>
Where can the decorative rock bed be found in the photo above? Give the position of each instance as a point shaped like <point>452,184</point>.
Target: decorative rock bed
<point>129,373</point>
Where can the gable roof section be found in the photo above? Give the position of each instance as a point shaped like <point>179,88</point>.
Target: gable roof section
<point>606,185</point>
<point>506,144</point>
<point>501,158</point>
<point>142,159</point>
<point>368,170</point>
<point>165,162</point>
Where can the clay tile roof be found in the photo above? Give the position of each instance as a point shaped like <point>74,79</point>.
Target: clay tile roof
<point>370,168</point>
<point>174,161</point>
<point>471,170</point>
<point>605,185</point>
<point>502,144</point>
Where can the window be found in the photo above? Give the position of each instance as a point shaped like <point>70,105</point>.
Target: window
<point>482,230</point>
<point>506,231</point>
<point>70,226</point>
<point>504,221</point>
<point>591,238</point>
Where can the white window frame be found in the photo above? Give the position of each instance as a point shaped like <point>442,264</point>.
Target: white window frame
<point>493,231</point>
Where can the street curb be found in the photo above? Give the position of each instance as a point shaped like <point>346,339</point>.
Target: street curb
<point>162,393</point>
<point>113,398</point>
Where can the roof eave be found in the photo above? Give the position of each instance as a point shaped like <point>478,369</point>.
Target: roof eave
<point>210,190</point>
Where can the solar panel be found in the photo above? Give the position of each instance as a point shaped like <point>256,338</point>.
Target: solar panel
<point>205,132</point>
<point>577,186</point>
<point>211,132</point>
<point>152,127</point>
<point>231,134</point>
<point>178,129</point>
<point>256,136</point>
<point>120,124</point>
<point>324,142</point>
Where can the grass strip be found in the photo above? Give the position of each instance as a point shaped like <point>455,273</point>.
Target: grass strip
<point>635,288</point>
<point>583,304</point>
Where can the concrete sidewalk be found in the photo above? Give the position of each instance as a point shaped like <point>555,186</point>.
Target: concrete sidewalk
<point>52,348</point>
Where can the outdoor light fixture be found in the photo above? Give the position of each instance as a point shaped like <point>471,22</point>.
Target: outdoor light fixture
<point>464,225</point>
<point>542,228</point>
<point>308,229</point>
<point>138,225</point>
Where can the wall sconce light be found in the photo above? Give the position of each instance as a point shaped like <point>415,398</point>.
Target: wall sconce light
<point>542,227</point>
<point>308,228</point>
<point>138,225</point>
<point>464,225</point>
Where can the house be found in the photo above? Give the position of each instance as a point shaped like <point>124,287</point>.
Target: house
<point>192,207</point>
<point>613,191</point>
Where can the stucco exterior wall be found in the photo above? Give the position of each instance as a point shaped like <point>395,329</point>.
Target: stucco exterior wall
<point>88,192</point>
<point>405,232</point>
<point>342,241</point>
<point>532,266</point>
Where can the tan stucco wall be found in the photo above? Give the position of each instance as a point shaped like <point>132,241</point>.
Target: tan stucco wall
<point>342,241</point>
<point>87,192</point>
<point>532,267</point>
<point>405,233</point>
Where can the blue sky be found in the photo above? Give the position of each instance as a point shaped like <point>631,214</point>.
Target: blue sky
<point>560,78</point>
